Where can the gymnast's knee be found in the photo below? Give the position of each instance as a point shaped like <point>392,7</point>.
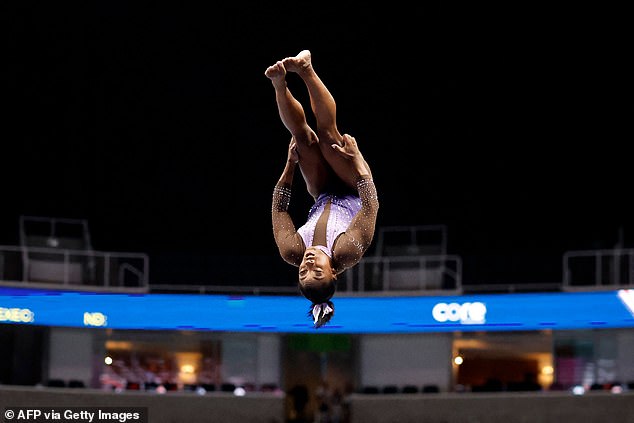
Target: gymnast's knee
<point>329,136</point>
<point>306,137</point>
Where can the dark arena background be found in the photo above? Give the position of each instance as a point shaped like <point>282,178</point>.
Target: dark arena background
<point>140,146</point>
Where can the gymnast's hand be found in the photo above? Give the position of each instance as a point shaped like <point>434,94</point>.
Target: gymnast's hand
<point>293,156</point>
<point>349,150</point>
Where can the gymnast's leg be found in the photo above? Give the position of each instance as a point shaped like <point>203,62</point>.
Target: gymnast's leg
<point>325,110</point>
<point>312,164</point>
<point>321,100</point>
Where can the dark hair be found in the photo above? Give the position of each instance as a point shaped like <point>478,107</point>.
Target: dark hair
<point>319,295</point>
<point>323,318</point>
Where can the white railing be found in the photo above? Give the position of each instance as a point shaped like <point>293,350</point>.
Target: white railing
<point>420,274</point>
<point>411,240</point>
<point>411,275</point>
<point>74,267</point>
<point>606,268</point>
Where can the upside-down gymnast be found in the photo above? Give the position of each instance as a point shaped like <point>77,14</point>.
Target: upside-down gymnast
<point>341,223</point>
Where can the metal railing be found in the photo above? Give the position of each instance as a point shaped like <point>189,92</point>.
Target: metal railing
<point>607,268</point>
<point>411,240</point>
<point>420,274</point>
<point>74,267</point>
<point>416,275</point>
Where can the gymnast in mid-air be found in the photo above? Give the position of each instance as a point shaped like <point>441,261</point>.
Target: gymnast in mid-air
<point>341,223</point>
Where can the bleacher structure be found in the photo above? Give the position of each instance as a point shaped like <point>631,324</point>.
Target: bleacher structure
<point>59,251</point>
<point>592,269</point>
<point>408,258</point>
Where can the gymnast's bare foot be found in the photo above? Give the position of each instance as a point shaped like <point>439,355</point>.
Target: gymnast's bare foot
<point>276,73</point>
<point>300,63</point>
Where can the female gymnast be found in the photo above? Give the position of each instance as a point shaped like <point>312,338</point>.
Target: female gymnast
<point>341,223</point>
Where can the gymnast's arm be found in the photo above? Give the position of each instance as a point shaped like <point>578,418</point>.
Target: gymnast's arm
<point>353,243</point>
<point>288,241</point>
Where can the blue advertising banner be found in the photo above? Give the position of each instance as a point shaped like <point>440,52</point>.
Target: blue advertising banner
<point>288,314</point>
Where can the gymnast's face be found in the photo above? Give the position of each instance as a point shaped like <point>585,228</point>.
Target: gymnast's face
<point>315,268</point>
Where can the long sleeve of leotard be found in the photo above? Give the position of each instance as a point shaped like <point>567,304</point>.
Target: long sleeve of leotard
<point>354,242</point>
<point>288,241</point>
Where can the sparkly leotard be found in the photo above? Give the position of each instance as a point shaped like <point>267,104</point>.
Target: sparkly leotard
<point>350,225</point>
<point>342,210</point>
